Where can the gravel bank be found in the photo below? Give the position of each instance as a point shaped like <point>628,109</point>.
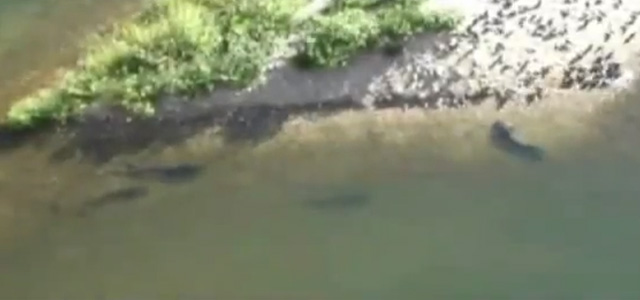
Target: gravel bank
<point>516,50</point>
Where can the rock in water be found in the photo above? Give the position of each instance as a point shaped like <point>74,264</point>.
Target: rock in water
<point>503,137</point>
<point>177,173</point>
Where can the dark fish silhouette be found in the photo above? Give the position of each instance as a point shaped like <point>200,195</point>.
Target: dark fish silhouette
<point>349,200</point>
<point>502,137</point>
<point>177,173</point>
<point>121,195</point>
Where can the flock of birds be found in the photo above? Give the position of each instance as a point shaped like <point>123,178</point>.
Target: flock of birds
<point>518,50</point>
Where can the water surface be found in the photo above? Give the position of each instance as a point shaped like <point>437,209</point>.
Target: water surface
<point>418,206</point>
<point>384,205</point>
<point>37,37</point>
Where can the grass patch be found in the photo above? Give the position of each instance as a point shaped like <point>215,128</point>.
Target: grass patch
<point>353,25</point>
<point>184,46</point>
<point>335,38</point>
<point>175,46</point>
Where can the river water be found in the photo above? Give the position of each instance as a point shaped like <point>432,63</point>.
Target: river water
<point>37,37</point>
<point>366,205</point>
<point>423,208</point>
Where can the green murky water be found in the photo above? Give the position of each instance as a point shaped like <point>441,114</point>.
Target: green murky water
<point>446,217</point>
<point>438,213</point>
<point>39,36</point>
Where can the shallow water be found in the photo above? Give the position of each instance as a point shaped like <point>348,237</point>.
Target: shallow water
<point>384,205</point>
<point>416,206</point>
<point>37,37</point>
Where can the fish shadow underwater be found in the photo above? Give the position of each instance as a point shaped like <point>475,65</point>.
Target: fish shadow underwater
<point>163,173</point>
<point>504,138</point>
<point>113,197</point>
<point>123,195</point>
<point>343,201</point>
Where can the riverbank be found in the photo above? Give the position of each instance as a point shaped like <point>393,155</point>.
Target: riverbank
<point>511,53</point>
<point>183,47</point>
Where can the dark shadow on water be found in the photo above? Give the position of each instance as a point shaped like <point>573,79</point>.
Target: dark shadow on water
<point>122,195</point>
<point>99,140</point>
<point>254,123</point>
<point>11,139</point>
<point>502,137</point>
<point>165,173</point>
<point>340,201</point>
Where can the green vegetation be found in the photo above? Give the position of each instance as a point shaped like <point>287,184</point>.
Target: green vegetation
<point>349,27</point>
<point>184,46</point>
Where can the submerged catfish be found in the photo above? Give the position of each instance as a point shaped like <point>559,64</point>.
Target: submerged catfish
<point>174,173</point>
<point>504,138</point>
<point>121,195</point>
